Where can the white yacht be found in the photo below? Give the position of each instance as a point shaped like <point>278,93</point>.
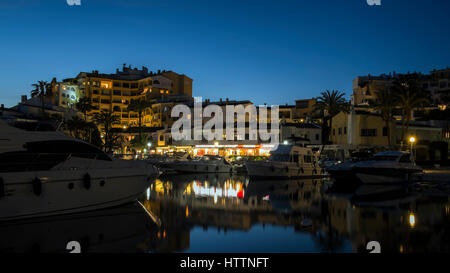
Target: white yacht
<point>49,173</point>
<point>288,161</point>
<point>383,168</point>
<point>206,164</point>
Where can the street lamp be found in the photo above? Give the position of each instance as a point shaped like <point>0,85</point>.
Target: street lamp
<point>412,140</point>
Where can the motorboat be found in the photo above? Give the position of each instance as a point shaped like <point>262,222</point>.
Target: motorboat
<point>206,164</point>
<point>44,173</point>
<point>383,168</point>
<point>287,161</point>
<point>326,163</point>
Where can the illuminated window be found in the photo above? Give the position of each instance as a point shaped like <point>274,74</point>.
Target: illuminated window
<point>105,84</point>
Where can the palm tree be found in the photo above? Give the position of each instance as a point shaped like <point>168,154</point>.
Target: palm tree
<point>385,105</point>
<point>81,129</point>
<point>40,90</point>
<point>75,126</point>
<point>331,104</point>
<point>84,105</point>
<point>107,119</point>
<point>139,106</point>
<point>410,96</point>
<point>139,143</point>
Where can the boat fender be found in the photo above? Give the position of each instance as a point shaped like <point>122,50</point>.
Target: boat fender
<point>37,186</point>
<point>272,168</point>
<point>2,187</point>
<point>87,181</point>
<point>217,168</point>
<point>303,171</point>
<point>287,169</point>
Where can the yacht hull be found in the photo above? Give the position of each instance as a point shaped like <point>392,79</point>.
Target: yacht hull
<point>285,170</point>
<point>56,192</point>
<point>199,168</point>
<point>351,178</point>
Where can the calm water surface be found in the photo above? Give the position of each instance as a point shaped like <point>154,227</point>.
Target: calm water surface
<point>215,213</point>
<point>219,213</point>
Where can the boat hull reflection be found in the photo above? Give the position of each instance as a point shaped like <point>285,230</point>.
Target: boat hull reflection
<point>120,229</point>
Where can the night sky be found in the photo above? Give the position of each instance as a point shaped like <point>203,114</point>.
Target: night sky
<point>267,51</point>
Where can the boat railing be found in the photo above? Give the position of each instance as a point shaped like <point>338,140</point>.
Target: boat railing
<point>18,162</point>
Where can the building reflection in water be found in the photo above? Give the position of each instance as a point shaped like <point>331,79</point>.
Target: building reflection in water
<point>181,213</point>
<point>413,222</point>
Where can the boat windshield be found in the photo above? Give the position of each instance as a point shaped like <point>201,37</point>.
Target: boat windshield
<point>279,157</point>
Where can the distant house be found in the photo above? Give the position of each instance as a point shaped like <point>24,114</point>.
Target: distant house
<point>364,128</point>
<point>310,132</point>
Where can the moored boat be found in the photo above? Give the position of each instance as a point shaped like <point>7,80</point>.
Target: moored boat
<point>288,161</point>
<point>49,173</point>
<point>383,169</point>
<point>206,164</point>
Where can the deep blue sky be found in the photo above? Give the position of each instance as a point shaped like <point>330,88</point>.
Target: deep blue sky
<point>268,51</point>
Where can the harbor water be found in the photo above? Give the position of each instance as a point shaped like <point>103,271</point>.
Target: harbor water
<point>227,213</point>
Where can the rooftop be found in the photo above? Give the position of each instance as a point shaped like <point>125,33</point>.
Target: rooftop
<point>127,74</point>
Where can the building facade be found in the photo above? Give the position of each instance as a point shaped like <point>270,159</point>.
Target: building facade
<point>437,82</point>
<point>115,92</point>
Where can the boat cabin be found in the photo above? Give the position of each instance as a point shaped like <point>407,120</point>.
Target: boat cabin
<point>397,156</point>
<point>292,153</point>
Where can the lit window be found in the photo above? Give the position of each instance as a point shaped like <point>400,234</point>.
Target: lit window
<point>105,84</point>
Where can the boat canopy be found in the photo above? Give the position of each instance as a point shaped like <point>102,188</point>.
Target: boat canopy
<point>290,149</point>
<point>283,150</point>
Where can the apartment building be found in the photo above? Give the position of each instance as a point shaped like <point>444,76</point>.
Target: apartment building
<point>115,92</point>
<point>437,82</point>
<point>305,109</point>
<point>367,129</point>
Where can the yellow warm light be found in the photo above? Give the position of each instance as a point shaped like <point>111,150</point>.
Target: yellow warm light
<point>412,139</point>
<point>412,220</point>
<point>105,84</point>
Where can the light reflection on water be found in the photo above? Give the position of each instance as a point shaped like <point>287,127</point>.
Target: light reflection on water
<point>219,213</point>
<point>215,213</point>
